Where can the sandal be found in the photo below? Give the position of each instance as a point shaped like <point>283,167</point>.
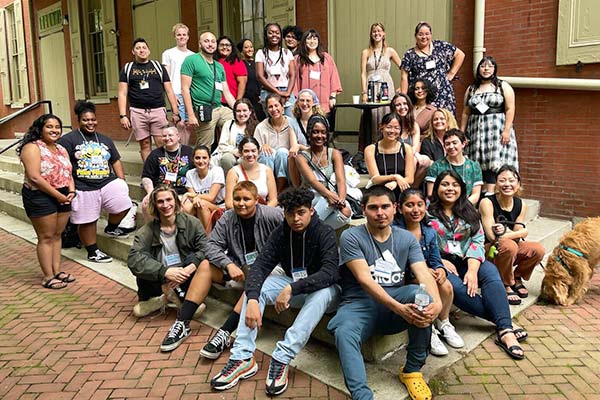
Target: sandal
<point>524,334</point>
<point>520,290</point>
<point>509,350</point>
<point>54,283</point>
<point>514,301</point>
<point>65,277</point>
<point>415,385</point>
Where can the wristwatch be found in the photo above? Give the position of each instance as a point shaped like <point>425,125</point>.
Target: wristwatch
<point>122,116</point>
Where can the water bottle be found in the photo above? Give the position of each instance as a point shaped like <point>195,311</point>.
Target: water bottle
<point>422,297</point>
<point>371,92</point>
<point>384,96</point>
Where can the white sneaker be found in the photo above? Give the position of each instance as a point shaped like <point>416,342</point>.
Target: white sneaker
<point>149,306</point>
<point>450,336</point>
<point>437,347</point>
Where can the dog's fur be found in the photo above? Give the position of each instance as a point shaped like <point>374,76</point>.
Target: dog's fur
<point>564,288</point>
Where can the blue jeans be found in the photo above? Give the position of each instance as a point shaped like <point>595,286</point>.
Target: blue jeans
<point>330,215</point>
<point>278,162</point>
<point>357,320</point>
<point>492,304</point>
<point>288,107</point>
<point>312,307</point>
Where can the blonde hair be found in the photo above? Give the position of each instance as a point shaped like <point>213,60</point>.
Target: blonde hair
<point>178,26</point>
<point>450,123</point>
<point>152,203</point>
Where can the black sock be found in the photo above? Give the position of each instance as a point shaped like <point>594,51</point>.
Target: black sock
<point>232,322</point>
<point>91,249</point>
<point>111,227</point>
<point>188,308</point>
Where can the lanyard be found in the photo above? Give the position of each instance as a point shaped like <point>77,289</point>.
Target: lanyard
<point>377,60</point>
<point>244,239</point>
<point>86,141</point>
<point>174,160</point>
<point>375,246</point>
<point>292,250</point>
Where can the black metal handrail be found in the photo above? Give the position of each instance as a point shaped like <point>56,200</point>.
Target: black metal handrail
<point>20,112</point>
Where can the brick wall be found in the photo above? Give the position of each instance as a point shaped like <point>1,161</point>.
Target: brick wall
<point>21,123</point>
<point>313,14</point>
<point>557,130</point>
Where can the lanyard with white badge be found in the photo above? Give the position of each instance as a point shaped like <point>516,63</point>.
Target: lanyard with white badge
<point>297,272</point>
<point>172,176</point>
<point>386,263</point>
<point>250,257</point>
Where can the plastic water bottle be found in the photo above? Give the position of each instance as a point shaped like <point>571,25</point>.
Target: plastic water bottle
<point>422,297</point>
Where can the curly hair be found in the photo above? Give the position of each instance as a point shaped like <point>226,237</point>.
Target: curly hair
<point>35,130</point>
<point>431,91</point>
<point>293,29</point>
<point>294,197</point>
<point>316,108</point>
<point>82,106</point>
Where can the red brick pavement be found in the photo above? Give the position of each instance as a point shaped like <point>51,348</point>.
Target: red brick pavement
<point>82,342</point>
<point>563,358</point>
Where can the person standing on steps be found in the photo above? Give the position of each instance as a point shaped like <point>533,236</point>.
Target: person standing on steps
<point>172,59</point>
<point>203,82</point>
<point>99,181</point>
<point>144,83</point>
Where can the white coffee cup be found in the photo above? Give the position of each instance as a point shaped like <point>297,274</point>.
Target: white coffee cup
<point>356,99</point>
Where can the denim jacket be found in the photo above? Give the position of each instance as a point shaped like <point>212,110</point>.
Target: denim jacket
<point>429,246</point>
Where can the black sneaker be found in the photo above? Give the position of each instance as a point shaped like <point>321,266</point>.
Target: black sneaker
<point>100,257</point>
<point>277,378</point>
<point>216,345</point>
<point>177,334</point>
<point>117,232</point>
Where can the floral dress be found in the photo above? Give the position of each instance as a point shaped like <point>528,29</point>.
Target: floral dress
<point>442,53</point>
<point>484,131</point>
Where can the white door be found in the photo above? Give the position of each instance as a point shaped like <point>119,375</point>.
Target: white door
<point>53,66</point>
<point>280,11</point>
<point>153,21</point>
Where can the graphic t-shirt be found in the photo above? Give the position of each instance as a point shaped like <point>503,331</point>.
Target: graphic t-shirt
<point>145,87</point>
<point>202,185</point>
<point>387,261</point>
<point>169,167</point>
<point>92,157</point>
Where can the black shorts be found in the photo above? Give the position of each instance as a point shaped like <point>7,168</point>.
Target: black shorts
<point>40,204</point>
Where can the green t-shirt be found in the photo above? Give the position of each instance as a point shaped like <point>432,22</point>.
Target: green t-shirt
<point>470,172</point>
<point>203,80</point>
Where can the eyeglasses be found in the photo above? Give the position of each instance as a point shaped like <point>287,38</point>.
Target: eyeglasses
<point>225,45</point>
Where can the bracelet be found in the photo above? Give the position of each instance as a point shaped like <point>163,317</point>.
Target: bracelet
<point>332,97</point>
<point>122,116</point>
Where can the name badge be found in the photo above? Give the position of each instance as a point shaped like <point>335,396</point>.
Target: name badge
<point>482,107</point>
<point>316,75</point>
<point>173,260</point>
<point>250,257</point>
<point>219,86</point>
<point>171,177</point>
<point>454,247</point>
<point>430,64</point>
<point>144,84</point>
<point>299,273</point>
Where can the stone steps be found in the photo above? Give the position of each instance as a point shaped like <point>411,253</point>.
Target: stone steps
<point>317,359</point>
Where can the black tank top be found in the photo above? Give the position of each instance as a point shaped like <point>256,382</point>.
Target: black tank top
<point>511,215</point>
<point>390,164</point>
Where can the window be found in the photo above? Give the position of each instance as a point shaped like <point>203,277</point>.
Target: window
<point>13,60</point>
<point>578,36</point>
<point>94,49</point>
<point>253,20</point>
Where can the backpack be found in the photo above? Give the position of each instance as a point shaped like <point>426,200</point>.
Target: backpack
<point>127,68</point>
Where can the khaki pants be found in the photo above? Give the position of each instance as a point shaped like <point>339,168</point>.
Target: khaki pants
<point>209,132</point>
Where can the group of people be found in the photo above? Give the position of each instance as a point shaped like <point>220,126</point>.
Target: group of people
<point>263,140</point>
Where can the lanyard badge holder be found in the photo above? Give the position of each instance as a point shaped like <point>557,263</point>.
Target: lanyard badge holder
<point>298,272</point>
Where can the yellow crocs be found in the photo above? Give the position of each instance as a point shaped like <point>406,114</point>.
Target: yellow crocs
<point>415,385</point>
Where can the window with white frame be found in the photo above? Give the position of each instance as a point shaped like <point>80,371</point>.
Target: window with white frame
<point>13,60</point>
<point>94,48</point>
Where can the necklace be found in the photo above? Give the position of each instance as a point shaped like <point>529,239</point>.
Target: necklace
<point>318,161</point>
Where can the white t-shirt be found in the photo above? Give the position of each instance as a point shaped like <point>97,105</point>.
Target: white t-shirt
<point>173,58</point>
<point>202,186</point>
<point>275,69</point>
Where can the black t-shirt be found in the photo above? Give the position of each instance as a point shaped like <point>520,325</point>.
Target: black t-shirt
<point>253,85</point>
<point>92,157</point>
<point>161,163</point>
<point>432,148</point>
<point>145,76</point>
<point>248,232</point>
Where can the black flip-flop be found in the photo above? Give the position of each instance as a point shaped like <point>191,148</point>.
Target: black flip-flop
<point>516,289</point>
<point>513,302</point>
<point>66,277</point>
<point>509,350</point>
<point>54,284</point>
<point>521,338</point>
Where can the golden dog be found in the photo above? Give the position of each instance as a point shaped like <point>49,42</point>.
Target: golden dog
<point>571,265</point>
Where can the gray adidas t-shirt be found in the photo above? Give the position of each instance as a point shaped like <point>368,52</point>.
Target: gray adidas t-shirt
<point>387,261</point>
